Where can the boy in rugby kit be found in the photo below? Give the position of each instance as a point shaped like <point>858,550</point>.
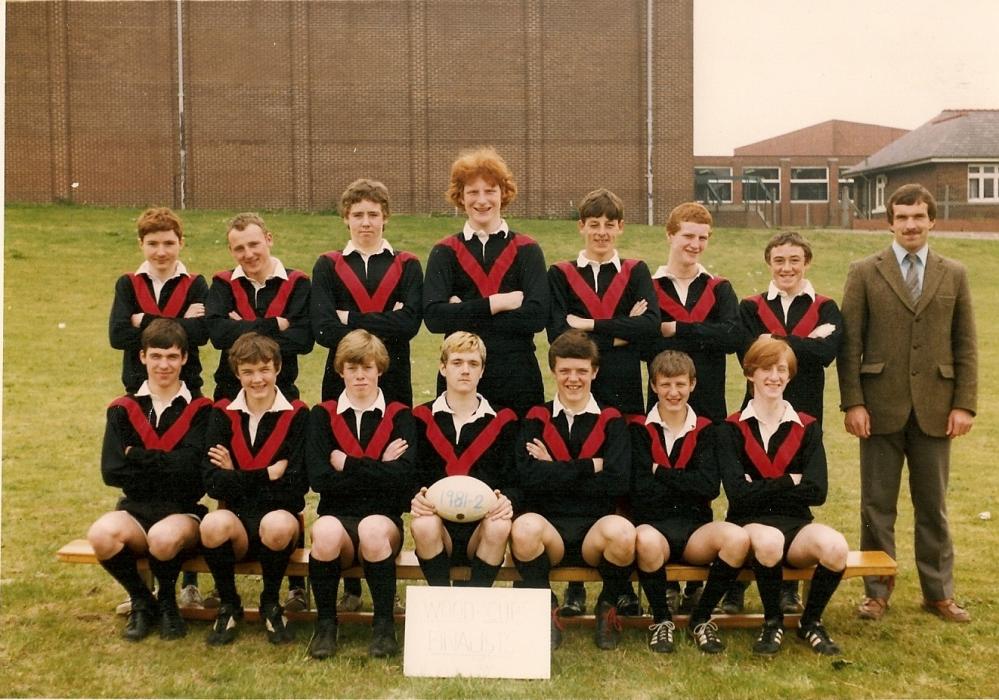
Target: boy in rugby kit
<point>461,434</point>
<point>254,468</point>
<point>360,459</point>
<point>262,296</point>
<point>153,444</point>
<point>810,323</point>
<point>610,298</point>
<point>490,281</point>
<point>675,478</point>
<point>368,285</point>
<point>773,466</point>
<point>573,464</point>
<point>160,288</point>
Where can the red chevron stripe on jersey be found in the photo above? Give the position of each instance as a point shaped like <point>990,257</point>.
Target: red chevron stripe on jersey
<point>487,284</point>
<point>151,440</point>
<point>379,439</point>
<point>701,309</point>
<point>772,469</point>
<point>556,445</point>
<point>366,303</point>
<point>245,458</point>
<point>801,329</point>
<point>277,306</point>
<point>659,454</point>
<point>454,464</point>
<point>148,304</point>
<point>599,308</point>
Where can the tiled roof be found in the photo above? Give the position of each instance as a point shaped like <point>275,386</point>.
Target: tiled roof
<point>833,138</point>
<point>952,134</point>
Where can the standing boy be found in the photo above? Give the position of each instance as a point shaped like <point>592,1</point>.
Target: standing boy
<point>490,281</point>
<point>260,295</point>
<point>574,464</point>
<point>153,444</point>
<point>700,312</point>
<point>908,379</point>
<point>461,434</point>
<point>254,466</point>
<point>368,285</point>
<point>675,478</point>
<point>360,460</point>
<point>610,298</point>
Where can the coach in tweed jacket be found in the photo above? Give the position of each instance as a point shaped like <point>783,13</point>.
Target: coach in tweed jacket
<point>908,383</point>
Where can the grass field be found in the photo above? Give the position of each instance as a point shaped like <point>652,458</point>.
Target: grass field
<point>58,634</point>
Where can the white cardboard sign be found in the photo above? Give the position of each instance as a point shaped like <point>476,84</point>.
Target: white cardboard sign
<point>478,632</point>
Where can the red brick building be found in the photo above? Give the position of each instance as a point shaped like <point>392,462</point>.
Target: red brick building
<point>269,104</point>
<point>790,180</point>
<point>955,155</point>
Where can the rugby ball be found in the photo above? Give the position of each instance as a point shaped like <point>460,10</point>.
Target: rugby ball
<point>461,499</point>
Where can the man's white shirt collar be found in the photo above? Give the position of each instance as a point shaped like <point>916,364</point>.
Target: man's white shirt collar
<point>591,407</point>
<point>351,248</point>
<point>689,421</point>
<point>469,232</point>
<point>277,271</point>
<point>773,291</point>
<point>583,261</point>
<point>789,415</point>
<point>280,403</point>
<point>901,252</point>
<point>183,392</point>
<point>663,271</point>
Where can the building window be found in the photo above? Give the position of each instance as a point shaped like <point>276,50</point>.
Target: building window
<point>983,183</point>
<point>880,183</point>
<point>713,185</point>
<point>766,188</point>
<point>809,184</point>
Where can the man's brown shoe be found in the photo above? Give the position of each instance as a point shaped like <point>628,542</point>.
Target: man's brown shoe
<point>872,608</point>
<point>947,610</point>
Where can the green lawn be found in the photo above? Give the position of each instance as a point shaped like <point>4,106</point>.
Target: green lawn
<point>58,634</point>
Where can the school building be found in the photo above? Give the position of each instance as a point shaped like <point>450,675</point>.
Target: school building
<point>280,104</point>
<point>792,180</point>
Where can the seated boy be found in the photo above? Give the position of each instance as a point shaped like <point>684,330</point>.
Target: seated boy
<point>260,295</point>
<point>254,467</point>
<point>675,478</point>
<point>460,433</point>
<point>160,288</point>
<point>360,458</point>
<point>611,298</point>
<point>574,464</point>
<point>152,450</point>
<point>490,281</point>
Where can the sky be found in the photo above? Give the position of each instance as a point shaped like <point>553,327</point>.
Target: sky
<point>766,67</point>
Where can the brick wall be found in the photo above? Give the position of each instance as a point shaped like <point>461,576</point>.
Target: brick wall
<point>287,102</point>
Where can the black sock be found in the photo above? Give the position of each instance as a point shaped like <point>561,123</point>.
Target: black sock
<point>436,569</point>
<point>720,578</point>
<point>122,567</point>
<point>325,576</point>
<point>535,571</point>
<point>483,574</point>
<point>654,585</point>
<point>768,581</point>
<point>352,586</point>
<point>273,564</point>
<point>166,573</point>
<point>824,584</point>
<point>222,563</point>
<point>615,580</point>
<point>381,581</point>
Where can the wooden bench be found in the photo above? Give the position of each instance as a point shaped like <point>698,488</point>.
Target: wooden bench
<point>408,569</point>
